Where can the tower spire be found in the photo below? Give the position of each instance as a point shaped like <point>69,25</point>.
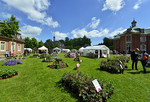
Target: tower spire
<point>54,38</point>
<point>133,23</point>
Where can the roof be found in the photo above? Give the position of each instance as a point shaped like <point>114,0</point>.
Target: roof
<point>134,29</point>
<point>96,47</point>
<point>43,48</point>
<point>56,48</point>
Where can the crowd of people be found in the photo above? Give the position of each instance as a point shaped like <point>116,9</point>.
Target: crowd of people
<point>137,55</point>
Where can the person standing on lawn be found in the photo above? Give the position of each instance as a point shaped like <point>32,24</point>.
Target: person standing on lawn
<point>144,60</point>
<point>134,58</point>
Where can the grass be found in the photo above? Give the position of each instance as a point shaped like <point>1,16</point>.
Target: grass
<point>38,83</point>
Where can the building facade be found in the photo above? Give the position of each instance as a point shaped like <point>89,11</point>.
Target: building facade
<point>134,37</point>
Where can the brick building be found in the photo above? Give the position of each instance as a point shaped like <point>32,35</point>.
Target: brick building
<point>11,44</point>
<point>133,37</point>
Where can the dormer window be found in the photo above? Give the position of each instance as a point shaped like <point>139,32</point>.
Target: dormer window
<point>18,36</point>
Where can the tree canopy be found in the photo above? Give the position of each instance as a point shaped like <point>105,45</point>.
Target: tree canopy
<point>108,42</point>
<point>76,43</point>
<point>10,27</point>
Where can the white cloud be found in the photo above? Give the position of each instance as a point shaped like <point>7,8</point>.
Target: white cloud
<point>113,5</point>
<point>117,31</point>
<point>137,5</point>
<point>93,33</point>
<point>35,10</point>
<point>95,22</point>
<point>30,31</point>
<point>8,15</point>
<point>59,35</point>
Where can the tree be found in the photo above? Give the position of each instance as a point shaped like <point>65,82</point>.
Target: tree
<point>57,45</point>
<point>10,27</point>
<point>108,42</point>
<point>47,45</point>
<point>62,41</point>
<point>66,41</point>
<point>27,42</point>
<point>52,46</point>
<point>41,44</point>
<point>34,43</point>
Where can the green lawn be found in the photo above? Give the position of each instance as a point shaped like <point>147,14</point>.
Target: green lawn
<point>38,83</point>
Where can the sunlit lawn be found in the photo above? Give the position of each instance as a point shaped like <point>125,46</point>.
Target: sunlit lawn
<point>38,83</point>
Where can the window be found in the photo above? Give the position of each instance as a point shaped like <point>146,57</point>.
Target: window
<point>128,38</point>
<point>2,45</point>
<point>18,47</point>
<point>143,39</point>
<point>143,47</point>
<point>18,36</point>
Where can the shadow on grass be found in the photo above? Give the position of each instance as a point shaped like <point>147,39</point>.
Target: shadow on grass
<point>128,69</point>
<point>139,72</point>
<point>68,90</point>
<point>75,68</point>
<point>106,71</point>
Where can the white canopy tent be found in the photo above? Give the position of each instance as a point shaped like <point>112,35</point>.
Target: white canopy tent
<point>81,49</point>
<point>100,51</point>
<point>29,49</point>
<point>43,48</point>
<point>66,50</point>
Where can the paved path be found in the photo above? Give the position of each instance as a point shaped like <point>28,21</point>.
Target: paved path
<point>2,58</point>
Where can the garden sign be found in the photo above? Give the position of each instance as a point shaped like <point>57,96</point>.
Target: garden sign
<point>96,84</point>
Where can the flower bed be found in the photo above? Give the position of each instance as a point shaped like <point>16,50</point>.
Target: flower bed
<point>12,62</point>
<point>113,65</point>
<point>58,64</point>
<point>83,86</point>
<point>7,73</point>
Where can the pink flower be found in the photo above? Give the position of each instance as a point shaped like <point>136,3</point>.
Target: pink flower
<point>99,89</point>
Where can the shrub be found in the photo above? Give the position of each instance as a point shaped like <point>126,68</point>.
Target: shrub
<point>48,59</point>
<point>58,64</point>
<point>83,86</point>
<point>43,55</point>
<point>113,65</point>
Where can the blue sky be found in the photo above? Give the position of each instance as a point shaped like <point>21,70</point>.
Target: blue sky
<point>75,18</point>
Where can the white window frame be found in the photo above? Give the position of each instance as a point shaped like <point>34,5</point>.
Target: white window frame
<point>19,47</point>
<point>3,46</point>
<point>143,39</point>
<point>141,47</point>
<point>127,38</point>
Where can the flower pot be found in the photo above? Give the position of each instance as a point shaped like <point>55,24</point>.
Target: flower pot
<point>1,78</point>
<point>11,76</point>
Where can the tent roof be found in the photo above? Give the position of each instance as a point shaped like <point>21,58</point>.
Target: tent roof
<point>97,47</point>
<point>43,48</point>
<point>66,49</point>
<point>56,48</point>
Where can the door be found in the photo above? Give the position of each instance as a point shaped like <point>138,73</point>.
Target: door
<point>12,47</point>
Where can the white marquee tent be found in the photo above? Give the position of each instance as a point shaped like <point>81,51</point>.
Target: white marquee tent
<point>29,49</point>
<point>100,51</point>
<point>65,50</point>
<point>81,49</point>
<point>43,48</point>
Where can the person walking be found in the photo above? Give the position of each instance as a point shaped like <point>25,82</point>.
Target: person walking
<point>144,60</point>
<point>134,58</point>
